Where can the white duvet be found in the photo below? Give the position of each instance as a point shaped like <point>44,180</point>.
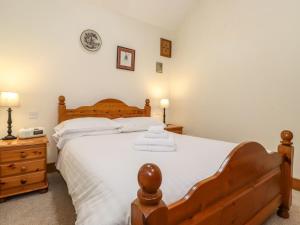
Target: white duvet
<point>101,172</point>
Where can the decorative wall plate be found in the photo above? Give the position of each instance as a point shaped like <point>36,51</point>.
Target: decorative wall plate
<point>90,40</point>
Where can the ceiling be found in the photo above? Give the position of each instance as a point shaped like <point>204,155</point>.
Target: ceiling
<point>167,14</point>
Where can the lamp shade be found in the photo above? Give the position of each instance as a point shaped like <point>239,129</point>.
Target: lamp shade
<point>164,103</point>
<point>9,99</point>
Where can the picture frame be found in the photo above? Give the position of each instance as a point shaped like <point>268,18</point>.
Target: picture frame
<point>125,58</point>
<point>165,48</point>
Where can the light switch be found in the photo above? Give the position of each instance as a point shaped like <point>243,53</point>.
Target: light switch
<point>159,67</point>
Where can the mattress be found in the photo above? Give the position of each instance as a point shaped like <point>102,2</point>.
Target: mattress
<point>101,172</point>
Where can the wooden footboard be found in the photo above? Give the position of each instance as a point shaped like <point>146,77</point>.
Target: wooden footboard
<point>248,188</point>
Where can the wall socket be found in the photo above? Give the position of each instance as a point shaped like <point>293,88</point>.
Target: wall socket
<point>33,115</point>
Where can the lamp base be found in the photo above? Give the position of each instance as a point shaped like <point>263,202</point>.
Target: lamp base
<point>164,116</point>
<point>9,137</point>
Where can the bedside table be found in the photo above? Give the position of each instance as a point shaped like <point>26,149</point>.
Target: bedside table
<point>23,166</point>
<point>174,128</point>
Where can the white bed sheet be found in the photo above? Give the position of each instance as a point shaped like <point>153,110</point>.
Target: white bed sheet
<point>101,172</point>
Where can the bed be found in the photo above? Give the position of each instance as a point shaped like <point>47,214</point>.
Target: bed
<point>205,182</point>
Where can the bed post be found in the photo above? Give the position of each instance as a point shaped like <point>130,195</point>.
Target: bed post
<point>148,208</point>
<point>286,150</point>
<point>147,108</point>
<point>61,108</point>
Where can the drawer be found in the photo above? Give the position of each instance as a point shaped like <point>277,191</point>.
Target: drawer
<point>22,167</point>
<point>178,131</point>
<point>22,154</point>
<point>175,130</point>
<point>22,180</point>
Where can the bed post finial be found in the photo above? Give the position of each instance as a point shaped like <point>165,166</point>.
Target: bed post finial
<point>149,178</point>
<point>148,208</point>
<point>61,108</point>
<point>147,107</point>
<point>287,137</point>
<point>61,100</point>
<point>147,101</point>
<point>286,150</point>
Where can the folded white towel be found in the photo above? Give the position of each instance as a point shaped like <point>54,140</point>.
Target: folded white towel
<point>141,140</point>
<point>152,148</point>
<point>156,129</point>
<point>156,135</point>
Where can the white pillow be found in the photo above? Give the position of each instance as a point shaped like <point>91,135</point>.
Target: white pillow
<point>137,123</point>
<point>62,140</point>
<point>87,124</point>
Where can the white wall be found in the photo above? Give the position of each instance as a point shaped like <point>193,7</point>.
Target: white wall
<point>41,58</point>
<point>237,71</point>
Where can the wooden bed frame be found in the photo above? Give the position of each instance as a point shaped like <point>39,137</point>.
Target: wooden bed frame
<point>249,187</point>
<point>109,108</point>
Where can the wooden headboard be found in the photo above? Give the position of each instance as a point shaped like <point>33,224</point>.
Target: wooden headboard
<point>109,108</point>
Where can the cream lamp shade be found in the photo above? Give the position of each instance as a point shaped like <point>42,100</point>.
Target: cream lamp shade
<point>164,103</point>
<point>9,99</point>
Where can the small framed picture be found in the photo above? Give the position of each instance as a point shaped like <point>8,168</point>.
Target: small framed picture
<point>125,58</point>
<point>165,48</point>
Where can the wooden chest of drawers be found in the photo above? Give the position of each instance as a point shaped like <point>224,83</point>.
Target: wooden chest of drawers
<point>174,128</point>
<point>23,166</point>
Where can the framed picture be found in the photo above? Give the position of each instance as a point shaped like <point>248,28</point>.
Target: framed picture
<point>165,48</point>
<point>125,58</point>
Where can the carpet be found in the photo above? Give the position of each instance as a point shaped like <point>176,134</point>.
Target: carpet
<point>55,207</point>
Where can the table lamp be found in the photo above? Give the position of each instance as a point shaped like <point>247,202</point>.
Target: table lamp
<point>164,103</point>
<point>9,99</point>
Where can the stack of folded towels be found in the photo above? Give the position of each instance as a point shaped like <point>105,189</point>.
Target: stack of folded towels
<point>156,139</point>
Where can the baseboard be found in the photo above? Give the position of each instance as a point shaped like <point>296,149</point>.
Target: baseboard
<point>51,168</point>
<point>296,184</point>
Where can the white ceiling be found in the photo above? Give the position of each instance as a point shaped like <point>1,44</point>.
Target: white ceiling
<point>167,14</point>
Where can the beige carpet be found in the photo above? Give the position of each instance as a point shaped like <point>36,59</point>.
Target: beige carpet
<point>52,208</point>
<point>55,208</point>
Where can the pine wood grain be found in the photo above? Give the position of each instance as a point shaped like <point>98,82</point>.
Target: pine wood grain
<point>108,108</point>
<point>296,184</point>
<point>23,166</point>
<point>248,188</point>
<point>174,128</point>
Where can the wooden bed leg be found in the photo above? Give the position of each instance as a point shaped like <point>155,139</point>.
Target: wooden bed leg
<point>286,149</point>
<point>148,208</point>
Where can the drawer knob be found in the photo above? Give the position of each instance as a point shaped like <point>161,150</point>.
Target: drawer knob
<point>37,152</point>
<point>23,155</point>
<point>23,181</point>
<point>23,168</point>
<point>12,166</point>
